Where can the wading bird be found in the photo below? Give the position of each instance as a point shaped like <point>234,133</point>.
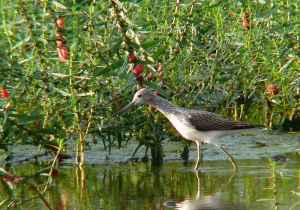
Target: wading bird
<point>193,125</point>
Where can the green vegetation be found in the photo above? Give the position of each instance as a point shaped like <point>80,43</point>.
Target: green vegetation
<point>67,79</point>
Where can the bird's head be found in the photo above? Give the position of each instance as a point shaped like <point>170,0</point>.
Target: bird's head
<point>142,96</point>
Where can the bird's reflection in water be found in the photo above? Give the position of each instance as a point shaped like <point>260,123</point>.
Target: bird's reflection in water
<point>211,202</point>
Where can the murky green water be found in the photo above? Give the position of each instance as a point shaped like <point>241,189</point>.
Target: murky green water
<point>268,178</point>
<point>260,184</point>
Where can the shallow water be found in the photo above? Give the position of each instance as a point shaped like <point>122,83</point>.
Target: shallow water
<point>268,178</point>
<point>259,184</point>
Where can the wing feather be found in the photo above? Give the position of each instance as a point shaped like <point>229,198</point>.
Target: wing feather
<point>207,121</point>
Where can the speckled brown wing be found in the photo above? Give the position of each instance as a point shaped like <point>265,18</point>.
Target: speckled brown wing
<point>207,121</point>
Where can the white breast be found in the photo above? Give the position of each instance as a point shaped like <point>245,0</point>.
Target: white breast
<point>188,132</point>
<point>192,134</point>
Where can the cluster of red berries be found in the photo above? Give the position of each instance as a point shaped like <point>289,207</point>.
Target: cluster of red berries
<point>11,179</point>
<point>62,50</point>
<point>4,93</point>
<point>272,90</point>
<point>138,69</point>
<point>246,21</point>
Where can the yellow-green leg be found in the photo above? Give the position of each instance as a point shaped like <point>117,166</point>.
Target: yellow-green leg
<point>232,160</point>
<point>199,155</point>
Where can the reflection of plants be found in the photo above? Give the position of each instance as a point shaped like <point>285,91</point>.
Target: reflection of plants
<point>115,187</point>
<point>35,190</point>
<point>109,47</point>
<point>296,193</point>
<point>273,187</point>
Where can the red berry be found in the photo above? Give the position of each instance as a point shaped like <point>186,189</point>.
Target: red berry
<point>60,23</point>
<point>63,54</point>
<point>11,179</point>
<point>59,43</point>
<point>157,93</point>
<point>4,93</point>
<point>54,173</point>
<point>132,58</point>
<point>246,21</point>
<point>138,69</point>
<point>177,50</point>
<point>272,89</point>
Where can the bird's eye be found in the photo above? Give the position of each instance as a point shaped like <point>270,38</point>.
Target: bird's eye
<point>139,96</point>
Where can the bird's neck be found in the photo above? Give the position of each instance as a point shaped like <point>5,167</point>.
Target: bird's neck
<point>162,105</point>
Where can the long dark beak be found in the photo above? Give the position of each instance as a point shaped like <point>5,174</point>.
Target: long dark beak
<point>126,108</point>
